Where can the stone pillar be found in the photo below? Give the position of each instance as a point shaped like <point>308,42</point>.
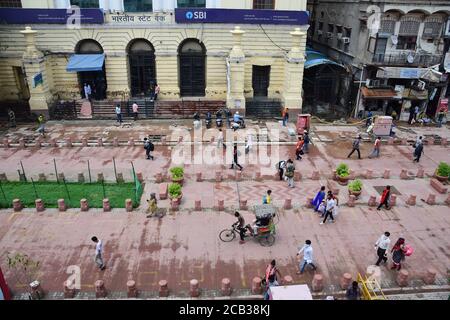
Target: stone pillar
<point>402,278</point>
<point>369,174</point>
<point>243,205</point>
<point>100,291</point>
<point>293,73</point>
<point>198,205</point>
<point>287,280</point>
<point>53,143</point>
<point>131,142</point>
<point>84,142</point>
<point>69,143</point>
<point>404,174</point>
<point>199,176</point>
<point>220,205</point>
<point>431,200</point>
<point>287,204</point>
<point>84,205</point>
<point>39,205</point>
<point>420,173</point>
<point>131,289</point>
<point>386,174</point>
<point>346,280</point>
<point>315,175</point>
<point>258,176</point>
<point>226,287</point>
<point>351,200</point>
<point>106,205</point>
<point>36,290</point>
<point>35,64</point>
<point>411,200</point>
<point>140,177</point>
<point>5,143</point>
<point>236,60</point>
<point>62,205</point>
<point>447,201</point>
<point>238,175</point>
<point>163,288</point>
<point>21,143</point>
<point>309,201</point>
<point>392,200</point>
<point>317,283</point>
<point>218,176</point>
<point>430,276</point>
<point>128,205</point>
<point>81,177</point>
<point>159,177</point>
<point>372,201</point>
<point>297,176</point>
<point>61,176</point>
<point>69,290</point>
<point>194,289</point>
<point>100,142</point>
<point>17,205</point>
<point>256,286</point>
<point>115,142</point>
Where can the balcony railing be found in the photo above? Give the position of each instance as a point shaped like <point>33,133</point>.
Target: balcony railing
<point>401,59</point>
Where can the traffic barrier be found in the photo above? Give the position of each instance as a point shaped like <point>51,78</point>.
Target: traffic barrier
<point>309,201</point>
<point>369,174</point>
<point>420,173</point>
<point>218,176</point>
<point>220,205</point>
<point>100,177</point>
<point>159,177</point>
<point>315,175</point>
<point>163,191</point>
<point>393,200</point>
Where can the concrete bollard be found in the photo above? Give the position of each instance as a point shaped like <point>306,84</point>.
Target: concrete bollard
<point>194,288</point>
<point>100,290</point>
<point>39,205</point>
<point>53,143</point>
<point>163,288</point>
<point>386,174</point>
<point>218,176</point>
<point>430,276</point>
<point>444,141</point>
<point>225,287</point>
<point>287,204</point>
<point>220,205</point>
<point>42,177</point>
<point>140,177</point>
<point>345,281</point>
<point>393,200</point>
<point>5,143</point>
<point>198,205</point>
<point>309,201</point>
<point>390,141</point>
<point>106,205</point>
<point>38,142</point>
<point>372,201</point>
<point>100,177</point>
<point>404,174</point>
<point>404,141</point>
<point>198,177</point>
<point>351,200</point>
<point>62,205</point>
<point>159,177</point>
<point>115,142</point>
<point>131,142</point>
<point>297,176</point>
<point>287,280</point>
<point>61,177</point>
<point>431,200</point>
<point>402,278</point>
<point>3,177</point>
<point>315,175</point>
<point>411,200</point>
<point>420,173</point>
<point>317,283</point>
<point>256,286</point>
<point>99,142</point>
<point>69,143</point>
<point>17,205</point>
<point>81,178</point>
<point>131,289</point>
<point>128,205</point>
<point>447,201</point>
<point>69,290</point>
<point>243,205</point>
<point>238,175</point>
<point>175,205</point>
<point>84,142</point>
<point>21,143</point>
<point>120,178</point>
<point>36,290</point>
<point>258,176</point>
<point>84,205</point>
<point>369,174</point>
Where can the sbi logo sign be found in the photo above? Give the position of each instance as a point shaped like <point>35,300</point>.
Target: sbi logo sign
<point>196,15</point>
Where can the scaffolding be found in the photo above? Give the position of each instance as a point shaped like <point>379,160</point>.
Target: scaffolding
<point>371,289</point>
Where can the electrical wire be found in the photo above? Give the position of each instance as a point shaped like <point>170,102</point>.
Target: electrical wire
<point>268,37</point>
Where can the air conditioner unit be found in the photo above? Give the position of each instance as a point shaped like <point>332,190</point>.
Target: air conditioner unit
<point>373,83</point>
<point>339,36</point>
<point>319,32</point>
<point>346,40</point>
<point>329,34</point>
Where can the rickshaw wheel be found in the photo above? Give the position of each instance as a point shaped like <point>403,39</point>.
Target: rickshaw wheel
<point>267,241</point>
<point>227,235</point>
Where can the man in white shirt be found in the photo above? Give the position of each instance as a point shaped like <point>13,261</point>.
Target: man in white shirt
<point>135,111</point>
<point>331,203</point>
<point>119,114</point>
<point>98,253</point>
<point>307,257</point>
<point>87,90</point>
<point>382,245</point>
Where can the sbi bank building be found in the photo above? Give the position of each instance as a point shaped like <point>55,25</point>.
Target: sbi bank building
<point>203,54</point>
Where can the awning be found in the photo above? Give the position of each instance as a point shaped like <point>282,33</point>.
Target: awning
<point>85,62</point>
<point>378,93</point>
<point>412,94</point>
<point>314,58</point>
<point>409,73</point>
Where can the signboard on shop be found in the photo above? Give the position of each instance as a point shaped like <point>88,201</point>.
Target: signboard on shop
<point>139,19</point>
<point>49,16</point>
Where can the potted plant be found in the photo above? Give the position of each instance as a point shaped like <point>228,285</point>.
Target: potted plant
<point>175,193</point>
<point>177,175</point>
<point>442,171</point>
<point>343,173</point>
<point>355,187</point>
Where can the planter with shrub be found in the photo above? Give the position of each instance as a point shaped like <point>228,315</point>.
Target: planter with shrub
<point>177,175</point>
<point>175,193</point>
<point>355,188</point>
<point>442,172</point>
<point>342,173</point>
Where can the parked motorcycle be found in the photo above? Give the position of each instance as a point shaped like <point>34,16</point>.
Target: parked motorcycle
<point>208,120</point>
<point>219,121</point>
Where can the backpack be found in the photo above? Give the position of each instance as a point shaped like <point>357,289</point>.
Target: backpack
<point>151,146</point>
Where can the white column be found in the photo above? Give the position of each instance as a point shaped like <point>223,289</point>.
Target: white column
<point>158,5</point>
<point>62,4</point>
<point>170,5</point>
<point>211,3</point>
<point>111,4</point>
<point>237,70</point>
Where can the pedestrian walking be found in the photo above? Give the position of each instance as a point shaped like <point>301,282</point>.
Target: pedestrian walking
<point>285,116</point>
<point>152,205</point>
<point>249,144</point>
<point>220,139</point>
<point>307,141</point>
<point>299,148</point>
<point>135,111</point>
<point>376,148</point>
<point>149,147</point>
<point>271,278</point>
<point>385,198</point>
<point>235,159</point>
<point>418,151</point>
<point>87,91</point>
<point>12,118</point>
<point>290,168</point>
<point>281,165</point>
<point>369,119</point>
<point>307,251</point>
<point>419,140</point>
<point>441,115</point>
<point>157,89</point>
<point>318,198</point>
<point>382,245</point>
<point>267,199</point>
<point>41,125</point>
<point>353,292</point>
<point>355,147</point>
<point>398,254</point>
<point>331,203</point>
<point>411,115</point>
<point>98,253</point>
<point>119,113</point>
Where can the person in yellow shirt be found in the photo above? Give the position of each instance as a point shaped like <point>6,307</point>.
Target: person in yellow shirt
<point>267,199</point>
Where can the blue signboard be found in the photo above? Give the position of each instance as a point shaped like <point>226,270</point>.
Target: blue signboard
<point>50,16</point>
<point>202,15</point>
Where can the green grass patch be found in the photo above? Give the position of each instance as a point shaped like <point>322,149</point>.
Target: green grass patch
<point>50,192</point>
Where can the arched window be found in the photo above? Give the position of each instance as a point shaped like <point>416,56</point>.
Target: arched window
<point>88,46</point>
<point>192,62</point>
<point>141,58</point>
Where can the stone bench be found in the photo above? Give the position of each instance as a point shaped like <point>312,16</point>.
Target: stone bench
<point>438,186</point>
<point>333,186</point>
<point>163,189</point>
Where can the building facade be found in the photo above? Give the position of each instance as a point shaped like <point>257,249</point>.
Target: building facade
<point>394,49</point>
<point>221,58</point>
